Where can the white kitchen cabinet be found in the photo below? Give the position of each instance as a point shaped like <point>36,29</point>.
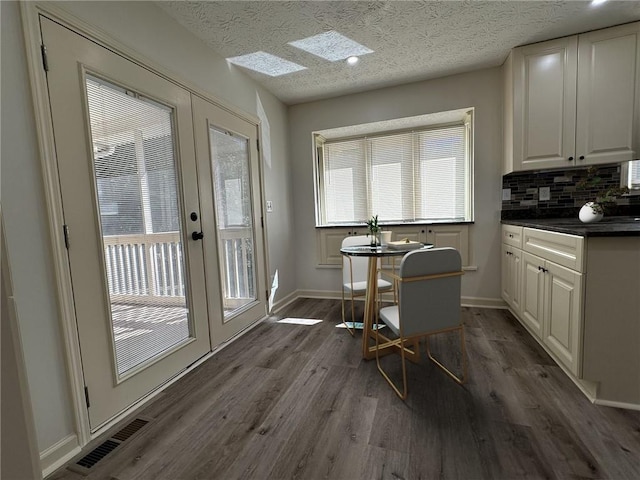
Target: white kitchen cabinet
<point>512,277</point>
<point>512,267</point>
<point>454,236</point>
<point>544,104</point>
<point>608,106</point>
<point>552,308</point>
<point>532,310</point>
<point>543,285</point>
<point>562,332</point>
<point>329,240</point>
<point>573,101</point>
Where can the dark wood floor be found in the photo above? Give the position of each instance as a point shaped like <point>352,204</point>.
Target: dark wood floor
<point>298,402</point>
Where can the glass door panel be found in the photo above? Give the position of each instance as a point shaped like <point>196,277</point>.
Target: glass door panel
<point>234,219</point>
<point>137,193</point>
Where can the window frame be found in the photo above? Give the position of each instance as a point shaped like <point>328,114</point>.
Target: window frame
<point>319,142</point>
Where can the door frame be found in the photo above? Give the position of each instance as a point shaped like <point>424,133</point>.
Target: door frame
<point>30,13</point>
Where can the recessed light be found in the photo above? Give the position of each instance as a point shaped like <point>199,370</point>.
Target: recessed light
<point>352,60</point>
<point>595,3</point>
<point>266,63</point>
<point>331,46</point>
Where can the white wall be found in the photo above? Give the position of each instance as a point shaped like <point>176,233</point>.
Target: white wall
<point>482,90</point>
<point>28,241</point>
<point>145,28</point>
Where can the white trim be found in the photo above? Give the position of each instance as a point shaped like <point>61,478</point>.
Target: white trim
<point>477,302</point>
<point>610,403</point>
<point>58,454</point>
<point>483,302</point>
<point>53,196</point>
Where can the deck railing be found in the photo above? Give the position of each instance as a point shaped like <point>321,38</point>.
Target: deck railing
<point>145,268</point>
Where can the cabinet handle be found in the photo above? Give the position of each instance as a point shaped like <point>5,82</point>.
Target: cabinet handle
<point>571,159</point>
<point>581,157</point>
<point>510,236</point>
<point>423,231</point>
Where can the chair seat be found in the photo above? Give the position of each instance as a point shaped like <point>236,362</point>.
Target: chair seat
<point>361,287</point>
<point>391,317</point>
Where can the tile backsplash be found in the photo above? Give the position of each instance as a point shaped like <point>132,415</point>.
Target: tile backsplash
<point>564,199</point>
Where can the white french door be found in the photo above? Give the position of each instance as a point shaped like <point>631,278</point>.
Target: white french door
<point>126,159</point>
<point>229,170</point>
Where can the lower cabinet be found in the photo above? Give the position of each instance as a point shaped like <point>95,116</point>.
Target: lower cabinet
<point>547,298</point>
<point>512,277</point>
<point>562,332</point>
<point>457,236</point>
<point>532,311</point>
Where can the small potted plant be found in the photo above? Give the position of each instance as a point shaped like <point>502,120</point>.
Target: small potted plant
<point>374,230</point>
<point>594,211</point>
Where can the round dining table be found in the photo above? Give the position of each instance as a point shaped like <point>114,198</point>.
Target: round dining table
<point>374,253</point>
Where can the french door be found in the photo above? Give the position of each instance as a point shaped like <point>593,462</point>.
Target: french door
<point>130,195</point>
<point>226,149</point>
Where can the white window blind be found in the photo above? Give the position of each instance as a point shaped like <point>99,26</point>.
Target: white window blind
<point>634,175</point>
<point>401,177</point>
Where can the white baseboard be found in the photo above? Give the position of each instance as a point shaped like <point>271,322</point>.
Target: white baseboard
<point>284,301</point>
<point>478,302</point>
<point>609,403</point>
<point>58,454</point>
<point>483,302</point>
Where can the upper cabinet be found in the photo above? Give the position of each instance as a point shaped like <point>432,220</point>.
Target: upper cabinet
<point>573,101</point>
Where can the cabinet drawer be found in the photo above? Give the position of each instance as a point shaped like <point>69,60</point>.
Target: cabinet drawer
<point>561,248</point>
<point>512,235</point>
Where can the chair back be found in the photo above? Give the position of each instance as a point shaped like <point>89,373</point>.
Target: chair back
<point>359,265</point>
<point>431,304</point>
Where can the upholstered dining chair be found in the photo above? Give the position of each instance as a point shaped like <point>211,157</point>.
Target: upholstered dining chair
<point>428,304</point>
<point>354,277</point>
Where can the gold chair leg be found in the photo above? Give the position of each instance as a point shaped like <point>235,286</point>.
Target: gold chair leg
<point>403,394</point>
<point>350,330</point>
<point>464,358</point>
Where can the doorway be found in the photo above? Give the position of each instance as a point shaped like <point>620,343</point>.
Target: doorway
<point>155,284</point>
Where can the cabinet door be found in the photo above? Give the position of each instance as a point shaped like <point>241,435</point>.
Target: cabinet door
<point>608,95</point>
<point>515,267</point>
<point>415,233</point>
<point>454,236</point>
<point>563,305</point>
<point>506,274</point>
<point>532,305</point>
<point>544,104</point>
<point>511,277</point>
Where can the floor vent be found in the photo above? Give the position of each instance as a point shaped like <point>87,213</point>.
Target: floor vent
<point>87,462</point>
<point>130,429</point>
<point>97,454</point>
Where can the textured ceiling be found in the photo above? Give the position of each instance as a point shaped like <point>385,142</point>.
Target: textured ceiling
<point>411,40</point>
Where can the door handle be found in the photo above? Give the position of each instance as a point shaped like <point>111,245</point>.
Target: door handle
<point>197,235</point>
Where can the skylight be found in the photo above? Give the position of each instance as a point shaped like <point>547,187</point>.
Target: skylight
<point>331,46</point>
<point>266,63</point>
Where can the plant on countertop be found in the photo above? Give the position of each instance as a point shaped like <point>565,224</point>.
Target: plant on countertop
<point>374,228</point>
<point>604,198</point>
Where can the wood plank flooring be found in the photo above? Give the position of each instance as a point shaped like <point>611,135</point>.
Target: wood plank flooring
<point>298,402</point>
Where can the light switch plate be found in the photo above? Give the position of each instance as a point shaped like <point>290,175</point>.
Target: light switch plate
<point>269,206</point>
<point>544,194</point>
<point>506,194</point>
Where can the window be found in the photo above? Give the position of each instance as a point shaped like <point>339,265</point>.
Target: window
<point>423,174</point>
<point>631,176</point>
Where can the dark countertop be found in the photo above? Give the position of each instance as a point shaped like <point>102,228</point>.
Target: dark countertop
<point>607,227</point>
